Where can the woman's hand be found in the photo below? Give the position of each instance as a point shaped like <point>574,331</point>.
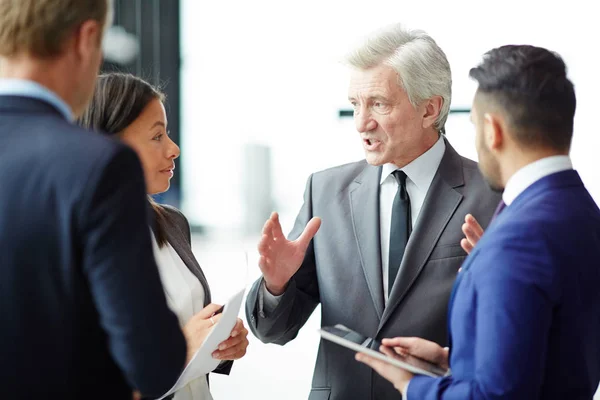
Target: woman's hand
<point>198,327</point>
<point>235,347</point>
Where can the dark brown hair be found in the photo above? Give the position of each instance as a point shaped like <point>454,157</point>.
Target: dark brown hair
<point>118,100</point>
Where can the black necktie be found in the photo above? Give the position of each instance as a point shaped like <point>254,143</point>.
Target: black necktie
<point>400,227</point>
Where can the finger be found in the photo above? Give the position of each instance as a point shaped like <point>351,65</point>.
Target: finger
<point>264,245</point>
<point>381,367</point>
<point>231,342</point>
<point>266,230</point>
<point>207,323</point>
<point>238,328</point>
<point>466,245</point>
<point>309,231</point>
<point>390,351</point>
<point>228,353</point>
<point>469,219</point>
<point>406,342</point>
<point>236,356</point>
<point>207,311</point>
<point>422,348</point>
<point>471,233</point>
<point>276,228</point>
<point>215,318</point>
<point>271,234</point>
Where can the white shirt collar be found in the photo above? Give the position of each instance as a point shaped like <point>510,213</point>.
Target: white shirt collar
<point>422,169</point>
<point>533,172</point>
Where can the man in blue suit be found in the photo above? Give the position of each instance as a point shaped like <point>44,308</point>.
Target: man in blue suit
<point>524,316</point>
<point>82,310</point>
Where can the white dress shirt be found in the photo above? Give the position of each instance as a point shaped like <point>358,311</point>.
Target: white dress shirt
<point>533,172</point>
<point>185,297</point>
<point>420,173</point>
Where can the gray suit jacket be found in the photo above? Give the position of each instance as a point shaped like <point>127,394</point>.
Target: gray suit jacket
<point>177,232</point>
<point>342,269</point>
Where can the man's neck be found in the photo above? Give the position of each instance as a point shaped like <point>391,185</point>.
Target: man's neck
<point>48,73</point>
<point>519,159</point>
<point>430,140</point>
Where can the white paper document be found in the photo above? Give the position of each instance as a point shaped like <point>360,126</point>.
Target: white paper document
<point>202,362</point>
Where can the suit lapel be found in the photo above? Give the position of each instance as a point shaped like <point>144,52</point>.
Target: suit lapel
<point>364,205</point>
<point>183,249</point>
<point>439,205</point>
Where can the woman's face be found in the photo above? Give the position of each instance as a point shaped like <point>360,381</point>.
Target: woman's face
<point>148,136</point>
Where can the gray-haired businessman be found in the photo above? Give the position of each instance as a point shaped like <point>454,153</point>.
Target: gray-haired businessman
<point>388,248</point>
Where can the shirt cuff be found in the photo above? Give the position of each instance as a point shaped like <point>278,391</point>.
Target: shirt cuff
<point>267,302</point>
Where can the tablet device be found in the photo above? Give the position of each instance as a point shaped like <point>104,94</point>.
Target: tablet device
<point>353,340</point>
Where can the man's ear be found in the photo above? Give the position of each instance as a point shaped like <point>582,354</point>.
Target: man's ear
<point>493,131</point>
<point>431,110</point>
<point>87,38</point>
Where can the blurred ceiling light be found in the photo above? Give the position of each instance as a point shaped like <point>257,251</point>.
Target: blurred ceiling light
<point>120,47</point>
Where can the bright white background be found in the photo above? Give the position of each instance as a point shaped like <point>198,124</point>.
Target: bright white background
<point>267,72</point>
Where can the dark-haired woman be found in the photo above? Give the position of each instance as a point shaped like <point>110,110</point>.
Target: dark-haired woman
<point>132,109</point>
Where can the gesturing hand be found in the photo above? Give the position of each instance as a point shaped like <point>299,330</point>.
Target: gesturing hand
<point>280,258</point>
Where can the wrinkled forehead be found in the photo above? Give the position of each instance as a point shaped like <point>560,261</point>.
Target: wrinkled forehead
<point>376,81</point>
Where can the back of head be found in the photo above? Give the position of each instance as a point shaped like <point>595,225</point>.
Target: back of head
<point>39,28</point>
<point>118,100</point>
<point>530,85</point>
<point>422,66</point>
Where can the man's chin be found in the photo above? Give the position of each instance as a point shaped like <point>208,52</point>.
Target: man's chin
<point>375,160</point>
<point>494,186</point>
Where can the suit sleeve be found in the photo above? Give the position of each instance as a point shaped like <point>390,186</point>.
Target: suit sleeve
<point>300,298</point>
<point>144,336</point>
<point>516,291</point>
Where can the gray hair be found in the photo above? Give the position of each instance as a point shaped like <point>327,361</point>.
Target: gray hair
<point>422,66</point>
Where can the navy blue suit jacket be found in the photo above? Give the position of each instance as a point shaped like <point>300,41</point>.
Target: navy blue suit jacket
<point>525,314</point>
<point>82,310</point>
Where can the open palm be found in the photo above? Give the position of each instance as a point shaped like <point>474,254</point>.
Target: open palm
<point>281,258</point>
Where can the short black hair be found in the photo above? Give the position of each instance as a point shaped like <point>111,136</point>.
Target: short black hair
<point>530,84</point>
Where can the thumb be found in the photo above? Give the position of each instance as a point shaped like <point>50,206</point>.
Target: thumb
<point>309,232</point>
<point>207,311</point>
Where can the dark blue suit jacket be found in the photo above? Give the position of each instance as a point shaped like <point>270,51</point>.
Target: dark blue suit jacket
<point>525,315</point>
<point>82,310</point>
